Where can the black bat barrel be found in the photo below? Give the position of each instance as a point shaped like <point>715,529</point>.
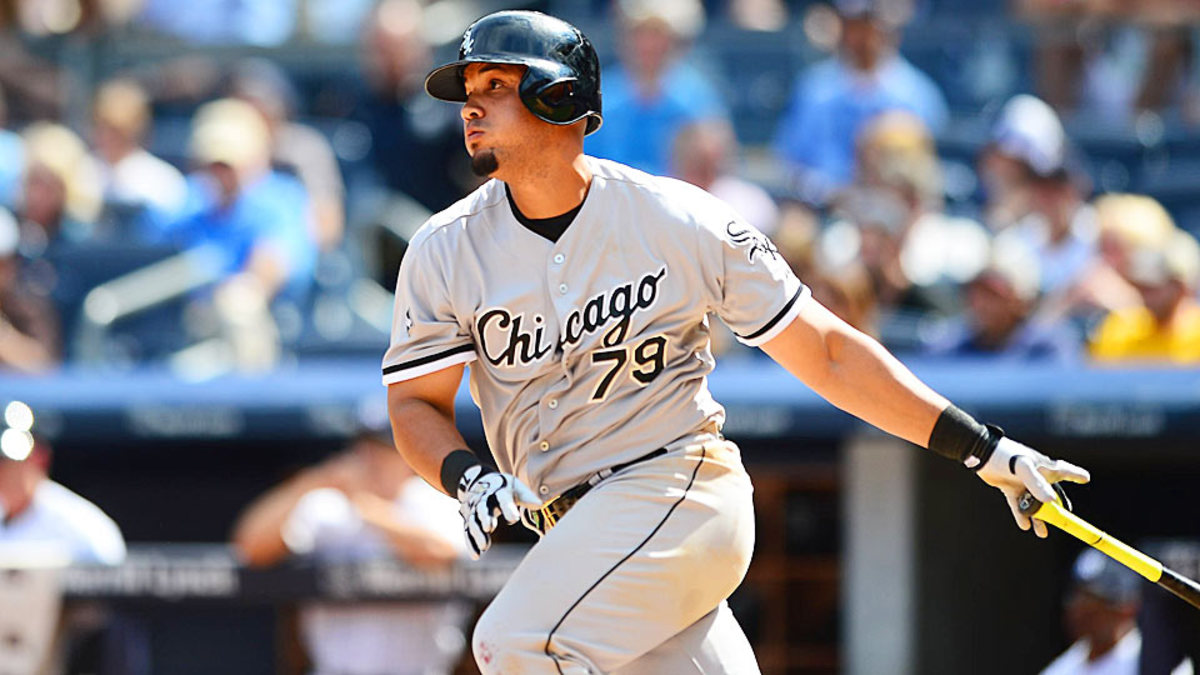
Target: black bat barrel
<point>1181,586</point>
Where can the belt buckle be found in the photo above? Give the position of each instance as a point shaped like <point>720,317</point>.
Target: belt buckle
<point>549,515</point>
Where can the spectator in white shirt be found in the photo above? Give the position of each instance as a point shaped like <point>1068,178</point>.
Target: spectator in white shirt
<point>132,176</point>
<point>360,504</point>
<point>37,511</point>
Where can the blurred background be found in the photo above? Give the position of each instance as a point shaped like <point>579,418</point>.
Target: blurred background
<point>203,206</point>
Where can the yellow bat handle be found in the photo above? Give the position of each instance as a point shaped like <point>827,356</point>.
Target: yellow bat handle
<point>1056,515</point>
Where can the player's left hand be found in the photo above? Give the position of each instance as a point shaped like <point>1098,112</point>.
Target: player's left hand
<point>1014,468</point>
<point>484,494</point>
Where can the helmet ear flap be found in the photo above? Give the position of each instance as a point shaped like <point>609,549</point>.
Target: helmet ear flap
<point>556,102</point>
<point>559,93</point>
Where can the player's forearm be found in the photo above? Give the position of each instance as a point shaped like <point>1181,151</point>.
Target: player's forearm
<point>855,373</point>
<point>424,436</point>
<point>868,382</point>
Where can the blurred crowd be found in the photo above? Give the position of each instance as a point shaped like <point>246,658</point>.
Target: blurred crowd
<point>361,503</point>
<point>233,189</point>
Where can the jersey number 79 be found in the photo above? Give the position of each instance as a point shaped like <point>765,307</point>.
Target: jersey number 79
<point>649,357</point>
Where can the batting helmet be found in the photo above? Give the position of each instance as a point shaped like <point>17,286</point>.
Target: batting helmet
<point>561,84</point>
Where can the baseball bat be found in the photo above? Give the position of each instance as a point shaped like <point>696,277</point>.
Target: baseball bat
<point>1059,516</point>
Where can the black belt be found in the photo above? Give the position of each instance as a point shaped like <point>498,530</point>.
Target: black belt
<point>541,520</point>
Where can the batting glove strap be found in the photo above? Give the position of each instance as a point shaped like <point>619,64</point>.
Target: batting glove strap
<point>985,448</point>
<point>957,436</point>
<point>454,467</point>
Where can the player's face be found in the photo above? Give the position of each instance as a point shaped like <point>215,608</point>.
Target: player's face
<point>496,124</point>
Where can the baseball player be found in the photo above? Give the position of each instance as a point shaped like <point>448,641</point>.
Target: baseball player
<point>579,291</point>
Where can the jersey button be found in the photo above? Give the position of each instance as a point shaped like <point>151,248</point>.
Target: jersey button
<point>558,258</point>
<point>543,446</point>
<point>562,288</point>
<point>553,403</point>
<point>544,490</point>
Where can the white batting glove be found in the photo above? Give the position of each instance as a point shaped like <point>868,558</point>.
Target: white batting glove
<point>1014,468</point>
<point>483,495</point>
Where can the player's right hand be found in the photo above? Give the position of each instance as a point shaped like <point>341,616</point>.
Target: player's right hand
<point>484,494</point>
<point>1014,468</point>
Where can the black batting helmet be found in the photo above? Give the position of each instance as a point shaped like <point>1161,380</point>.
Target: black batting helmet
<point>561,84</point>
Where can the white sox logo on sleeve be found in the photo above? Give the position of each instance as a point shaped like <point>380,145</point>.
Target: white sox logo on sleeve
<point>758,243</point>
<point>525,344</point>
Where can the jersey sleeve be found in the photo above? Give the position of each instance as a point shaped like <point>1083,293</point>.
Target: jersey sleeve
<point>753,289</point>
<point>426,333</point>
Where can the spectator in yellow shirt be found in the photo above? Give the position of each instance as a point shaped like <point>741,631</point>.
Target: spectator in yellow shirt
<point>1166,327</point>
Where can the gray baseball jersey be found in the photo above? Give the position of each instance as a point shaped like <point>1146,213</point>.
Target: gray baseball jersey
<point>592,350</point>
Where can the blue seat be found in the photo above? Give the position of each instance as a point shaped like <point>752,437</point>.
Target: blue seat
<point>1173,183</point>
<point>80,268</point>
<point>977,62</point>
<point>755,72</point>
